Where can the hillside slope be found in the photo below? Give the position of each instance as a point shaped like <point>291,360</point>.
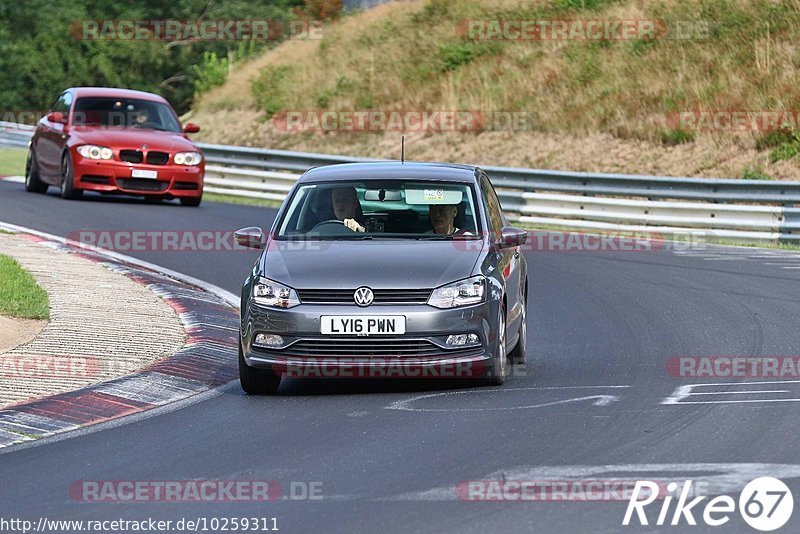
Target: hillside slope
<point>591,104</point>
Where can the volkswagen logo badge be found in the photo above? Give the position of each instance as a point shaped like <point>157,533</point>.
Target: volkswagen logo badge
<point>363,296</point>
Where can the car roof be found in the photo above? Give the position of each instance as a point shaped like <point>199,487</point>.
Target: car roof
<point>114,93</point>
<point>389,170</point>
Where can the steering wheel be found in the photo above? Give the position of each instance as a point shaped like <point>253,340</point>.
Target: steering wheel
<point>329,222</point>
<point>329,227</point>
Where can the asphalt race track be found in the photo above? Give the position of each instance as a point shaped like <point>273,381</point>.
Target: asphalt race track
<point>602,328</point>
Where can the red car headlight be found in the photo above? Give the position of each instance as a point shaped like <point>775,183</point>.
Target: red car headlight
<point>188,158</point>
<point>95,152</point>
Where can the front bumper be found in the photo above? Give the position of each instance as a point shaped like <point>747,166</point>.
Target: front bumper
<point>111,176</point>
<point>308,353</point>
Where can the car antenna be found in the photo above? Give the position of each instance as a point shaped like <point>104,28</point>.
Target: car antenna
<point>402,149</point>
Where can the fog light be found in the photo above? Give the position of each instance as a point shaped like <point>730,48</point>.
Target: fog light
<point>268,340</point>
<point>457,340</point>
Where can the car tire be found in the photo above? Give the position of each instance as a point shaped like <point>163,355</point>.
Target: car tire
<point>256,381</point>
<point>517,354</point>
<point>68,190</point>
<point>33,182</point>
<point>496,373</point>
<point>191,202</point>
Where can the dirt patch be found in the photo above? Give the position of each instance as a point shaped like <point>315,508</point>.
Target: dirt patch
<point>15,332</point>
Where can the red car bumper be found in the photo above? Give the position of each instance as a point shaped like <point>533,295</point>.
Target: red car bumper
<point>172,181</point>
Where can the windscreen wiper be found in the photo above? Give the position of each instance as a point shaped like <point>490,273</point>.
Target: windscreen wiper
<point>436,238</point>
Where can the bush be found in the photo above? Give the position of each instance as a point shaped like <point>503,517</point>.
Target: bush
<point>676,137</point>
<point>455,55</point>
<point>754,173</point>
<point>211,72</point>
<point>270,88</point>
<point>774,139</point>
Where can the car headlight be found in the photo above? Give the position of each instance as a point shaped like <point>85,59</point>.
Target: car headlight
<point>95,152</point>
<point>274,295</point>
<point>461,293</point>
<point>188,158</point>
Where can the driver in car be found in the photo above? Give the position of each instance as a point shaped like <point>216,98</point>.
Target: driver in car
<point>442,219</point>
<point>347,209</point>
<point>141,118</point>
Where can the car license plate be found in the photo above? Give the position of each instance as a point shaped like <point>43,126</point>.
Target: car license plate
<point>142,173</point>
<point>363,325</point>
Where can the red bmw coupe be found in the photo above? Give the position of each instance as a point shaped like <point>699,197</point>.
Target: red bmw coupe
<point>115,141</point>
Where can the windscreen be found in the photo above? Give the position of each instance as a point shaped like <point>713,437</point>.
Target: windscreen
<point>124,113</point>
<point>394,209</point>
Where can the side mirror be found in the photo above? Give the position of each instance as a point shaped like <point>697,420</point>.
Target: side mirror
<point>191,128</point>
<point>57,117</point>
<point>512,237</point>
<point>250,237</point>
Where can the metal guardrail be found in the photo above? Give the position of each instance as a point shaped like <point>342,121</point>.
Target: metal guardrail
<point>14,135</point>
<point>740,210</point>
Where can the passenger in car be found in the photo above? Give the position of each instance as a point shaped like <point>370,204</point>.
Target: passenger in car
<point>442,218</point>
<point>347,208</point>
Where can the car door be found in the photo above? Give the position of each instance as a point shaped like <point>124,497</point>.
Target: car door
<point>508,259</point>
<point>51,138</point>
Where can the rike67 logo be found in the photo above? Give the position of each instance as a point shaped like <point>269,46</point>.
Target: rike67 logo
<point>765,504</point>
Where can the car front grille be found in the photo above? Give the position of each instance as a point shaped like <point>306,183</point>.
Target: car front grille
<point>137,156</point>
<point>131,156</point>
<point>369,348</point>
<point>381,296</point>
<point>157,158</point>
<point>142,184</point>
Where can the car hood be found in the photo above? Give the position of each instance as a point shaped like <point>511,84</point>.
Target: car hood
<point>400,264</point>
<point>133,138</point>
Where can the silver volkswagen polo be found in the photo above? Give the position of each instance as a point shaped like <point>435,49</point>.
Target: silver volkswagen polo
<point>384,270</point>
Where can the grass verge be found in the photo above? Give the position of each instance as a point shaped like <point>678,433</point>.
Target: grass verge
<point>245,201</point>
<point>12,161</point>
<point>20,296</point>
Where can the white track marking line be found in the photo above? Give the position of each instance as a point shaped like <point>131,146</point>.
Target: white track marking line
<point>737,401</point>
<point>682,392</point>
<point>745,392</point>
<point>717,478</point>
<point>599,400</point>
